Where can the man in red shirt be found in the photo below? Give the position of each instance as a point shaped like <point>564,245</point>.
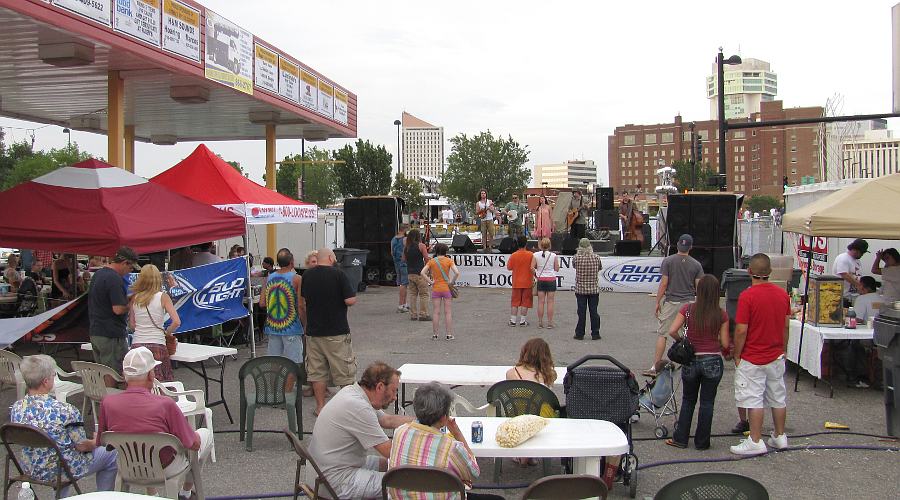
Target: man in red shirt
<point>760,339</point>
<point>138,411</point>
<point>522,264</point>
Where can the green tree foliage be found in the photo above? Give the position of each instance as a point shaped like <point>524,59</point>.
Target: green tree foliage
<point>484,161</point>
<point>366,170</point>
<point>701,177</point>
<point>26,164</point>
<point>321,183</point>
<point>410,190</point>
<point>762,203</point>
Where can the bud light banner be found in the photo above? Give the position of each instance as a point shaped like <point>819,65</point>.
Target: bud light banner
<point>207,295</point>
<point>619,274</point>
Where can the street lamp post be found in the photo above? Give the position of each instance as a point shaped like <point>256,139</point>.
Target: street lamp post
<point>69,133</point>
<point>397,123</point>
<point>723,127</point>
<point>302,169</point>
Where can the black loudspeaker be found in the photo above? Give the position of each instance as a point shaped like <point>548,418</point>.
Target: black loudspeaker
<point>627,248</point>
<point>604,197</point>
<point>648,235</point>
<point>532,245</point>
<point>709,218</point>
<point>463,244</point>
<point>507,245</point>
<point>371,219</point>
<point>556,241</point>
<point>569,245</point>
<point>606,219</point>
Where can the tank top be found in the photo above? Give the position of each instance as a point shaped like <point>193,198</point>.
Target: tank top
<point>545,260</point>
<point>415,261</point>
<point>144,330</point>
<point>282,317</point>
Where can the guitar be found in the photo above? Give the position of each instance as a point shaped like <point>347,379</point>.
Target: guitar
<point>571,216</point>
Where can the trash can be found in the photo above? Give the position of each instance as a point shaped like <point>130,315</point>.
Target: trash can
<point>734,281</point>
<point>352,261</point>
<point>887,338</point>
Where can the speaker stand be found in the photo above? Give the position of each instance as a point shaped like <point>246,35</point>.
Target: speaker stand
<point>660,219</point>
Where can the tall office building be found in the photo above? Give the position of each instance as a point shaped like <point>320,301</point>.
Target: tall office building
<point>571,174</point>
<point>747,86</point>
<point>423,148</point>
<point>876,154</point>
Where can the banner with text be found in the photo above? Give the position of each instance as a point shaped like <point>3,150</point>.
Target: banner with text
<point>95,10</point>
<point>138,18</point>
<point>229,53</point>
<point>273,214</point>
<point>619,274</point>
<point>181,29</point>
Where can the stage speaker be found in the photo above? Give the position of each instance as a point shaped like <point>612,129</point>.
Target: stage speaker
<point>627,248</point>
<point>556,241</point>
<point>709,218</point>
<point>371,219</point>
<point>604,246</point>
<point>463,244</point>
<point>507,245</point>
<point>648,235</point>
<point>569,245</point>
<point>532,245</point>
<point>606,219</point>
<point>604,197</point>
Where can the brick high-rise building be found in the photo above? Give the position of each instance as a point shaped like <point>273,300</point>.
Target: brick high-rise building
<point>757,159</point>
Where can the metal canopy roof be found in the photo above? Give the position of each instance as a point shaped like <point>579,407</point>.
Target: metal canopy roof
<point>76,97</point>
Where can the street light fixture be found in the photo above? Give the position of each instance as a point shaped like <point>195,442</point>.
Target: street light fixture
<point>397,123</point>
<point>69,133</point>
<point>723,127</point>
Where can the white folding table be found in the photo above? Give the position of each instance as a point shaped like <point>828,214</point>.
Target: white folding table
<point>814,338</point>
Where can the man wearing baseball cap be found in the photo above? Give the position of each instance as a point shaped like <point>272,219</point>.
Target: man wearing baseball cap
<point>847,265</point>
<point>138,411</point>
<point>108,309</point>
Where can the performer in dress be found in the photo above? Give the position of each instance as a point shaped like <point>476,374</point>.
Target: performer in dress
<point>543,218</point>
<point>485,213</point>
<point>577,216</point>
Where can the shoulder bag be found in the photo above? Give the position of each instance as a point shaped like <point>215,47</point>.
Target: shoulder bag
<point>454,290</point>
<point>682,351</point>
<point>171,341</point>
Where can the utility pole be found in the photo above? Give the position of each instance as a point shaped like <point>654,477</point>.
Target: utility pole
<point>693,157</point>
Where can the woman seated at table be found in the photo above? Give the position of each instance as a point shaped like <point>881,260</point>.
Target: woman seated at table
<point>535,364</point>
<point>149,306</point>
<point>424,442</point>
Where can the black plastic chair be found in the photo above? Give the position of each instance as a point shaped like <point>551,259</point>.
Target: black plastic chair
<point>269,377</point>
<point>421,479</point>
<point>512,398</point>
<point>304,458</point>
<point>719,485</point>
<point>32,437</point>
<point>566,487</point>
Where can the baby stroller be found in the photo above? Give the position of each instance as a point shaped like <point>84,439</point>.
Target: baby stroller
<point>658,397</point>
<point>605,393</point>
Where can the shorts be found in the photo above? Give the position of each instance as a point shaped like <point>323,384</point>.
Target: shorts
<point>109,351</point>
<point>546,286</point>
<point>521,297</point>
<point>441,295</point>
<point>288,346</point>
<point>668,310</point>
<point>402,273</point>
<point>487,232</point>
<point>760,386</point>
<point>330,358</point>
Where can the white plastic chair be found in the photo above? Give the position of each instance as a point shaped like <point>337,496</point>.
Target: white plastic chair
<point>11,374</point>
<point>94,383</point>
<point>487,410</point>
<point>191,403</point>
<point>139,463</point>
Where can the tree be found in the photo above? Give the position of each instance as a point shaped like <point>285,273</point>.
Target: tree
<point>29,164</point>
<point>321,183</point>
<point>762,203</point>
<point>483,161</point>
<point>410,190</point>
<point>366,170</point>
<point>683,176</point>
<point>237,166</point>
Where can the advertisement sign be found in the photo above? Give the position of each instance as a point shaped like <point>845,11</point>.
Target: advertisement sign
<point>95,10</point>
<point>340,106</point>
<point>288,80</point>
<point>272,214</point>
<point>266,64</point>
<point>138,18</point>
<point>309,90</point>
<point>326,99</point>
<point>229,53</point>
<point>181,29</point>
<point>619,274</point>
<point>818,245</point>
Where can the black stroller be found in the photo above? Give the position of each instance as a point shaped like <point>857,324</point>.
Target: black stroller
<point>605,393</point>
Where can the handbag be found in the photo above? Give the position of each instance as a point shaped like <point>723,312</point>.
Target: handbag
<point>534,281</point>
<point>682,351</point>
<point>171,341</point>
<point>454,290</point>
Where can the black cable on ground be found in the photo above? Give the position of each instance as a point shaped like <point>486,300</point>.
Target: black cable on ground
<point>736,458</point>
<point>810,434</point>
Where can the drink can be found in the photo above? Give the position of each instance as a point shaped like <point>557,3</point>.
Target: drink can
<point>477,432</point>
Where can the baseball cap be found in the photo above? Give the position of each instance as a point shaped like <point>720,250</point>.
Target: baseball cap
<point>125,254</point>
<point>138,361</point>
<point>685,242</point>
<point>859,244</point>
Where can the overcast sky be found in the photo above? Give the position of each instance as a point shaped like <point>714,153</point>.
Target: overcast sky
<point>556,76</point>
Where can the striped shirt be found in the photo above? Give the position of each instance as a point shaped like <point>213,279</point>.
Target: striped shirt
<point>417,444</point>
<point>587,266</point>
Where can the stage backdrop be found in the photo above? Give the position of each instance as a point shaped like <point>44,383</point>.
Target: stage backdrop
<point>619,274</point>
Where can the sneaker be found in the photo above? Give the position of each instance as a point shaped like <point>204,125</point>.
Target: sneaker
<point>578,337</point>
<point>748,447</point>
<point>777,442</point>
<point>741,427</point>
<point>402,309</point>
<point>859,385</point>
<point>512,323</point>
<point>595,337</point>
<point>525,323</point>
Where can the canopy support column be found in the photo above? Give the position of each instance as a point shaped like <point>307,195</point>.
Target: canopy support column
<point>129,148</point>
<point>115,119</point>
<point>271,235</point>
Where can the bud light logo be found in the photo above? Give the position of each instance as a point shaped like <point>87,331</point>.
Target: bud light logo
<point>632,274</point>
<point>220,289</point>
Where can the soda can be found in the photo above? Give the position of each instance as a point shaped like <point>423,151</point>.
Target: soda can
<point>477,432</point>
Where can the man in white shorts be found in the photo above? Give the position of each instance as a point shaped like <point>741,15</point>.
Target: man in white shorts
<point>760,340</point>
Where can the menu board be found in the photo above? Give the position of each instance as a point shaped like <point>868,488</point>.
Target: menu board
<point>229,53</point>
<point>266,63</point>
<point>340,106</point>
<point>309,90</point>
<point>181,29</point>
<point>326,99</point>
<point>95,10</point>
<point>138,18</point>
<point>288,80</point>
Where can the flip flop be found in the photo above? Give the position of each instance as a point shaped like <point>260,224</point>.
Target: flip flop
<point>671,442</point>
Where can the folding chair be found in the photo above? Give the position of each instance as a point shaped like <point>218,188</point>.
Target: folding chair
<point>421,479</point>
<point>304,458</point>
<point>32,437</point>
<point>566,487</point>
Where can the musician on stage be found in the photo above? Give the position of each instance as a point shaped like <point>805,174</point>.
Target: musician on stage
<point>631,217</point>
<point>543,218</point>
<point>578,208</point>
<point>515,214</point>
<point>485,213</point>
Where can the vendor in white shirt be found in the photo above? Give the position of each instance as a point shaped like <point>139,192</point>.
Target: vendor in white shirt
<point>847,265</point>
<point>865,303</point>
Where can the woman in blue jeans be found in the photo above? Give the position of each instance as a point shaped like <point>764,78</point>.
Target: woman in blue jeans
<point>707,330</point>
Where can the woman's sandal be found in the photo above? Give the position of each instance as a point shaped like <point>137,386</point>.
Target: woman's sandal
<point>434,337</point>
<point>671,442</point>
<point>451,337</point>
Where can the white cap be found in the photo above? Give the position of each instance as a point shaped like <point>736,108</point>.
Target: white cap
<point>138,361</point>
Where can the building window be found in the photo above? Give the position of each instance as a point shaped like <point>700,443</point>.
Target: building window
<point>794,159</point>
<point>654,154</point>
<point>774,140</point>
<point>740,134</point>
<point>793,149</point>
<point>649,138</point>
<point>794,171</point>
<point>629,140</point>
<point>686,136</point>
<point>668,137</point>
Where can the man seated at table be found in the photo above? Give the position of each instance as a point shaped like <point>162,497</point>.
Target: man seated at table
<point>138,411</point>
<point>852,353</point>
<point>63,423</point>
<point>349,425</point>
<point>423,443</point>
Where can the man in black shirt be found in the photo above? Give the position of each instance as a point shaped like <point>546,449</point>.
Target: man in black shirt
<point>108,309</point>
<point>329,352</point>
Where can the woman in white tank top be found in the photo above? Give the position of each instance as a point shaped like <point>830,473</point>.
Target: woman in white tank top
<point>149,307</point>
<point>547,267</point>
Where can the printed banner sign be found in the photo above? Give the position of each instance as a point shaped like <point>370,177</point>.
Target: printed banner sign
<point>273,214</point>
<point>95,10</point>
<point>309,90</point>
<point>288,80</point>
<point>229,53</point>
<point>181,29</point>
<point>619,274</point>
<point>326,99</point>
<point>138,18</point>
<point>818,245</point>
<point>266,69</point>
<point>340,106</point>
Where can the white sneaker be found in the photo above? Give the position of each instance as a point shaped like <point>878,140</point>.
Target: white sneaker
<point>403,309</point>
<point>777,442</point>
<point>748,447</point>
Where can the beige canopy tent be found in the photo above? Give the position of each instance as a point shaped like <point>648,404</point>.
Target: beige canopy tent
<point>864,210</point>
